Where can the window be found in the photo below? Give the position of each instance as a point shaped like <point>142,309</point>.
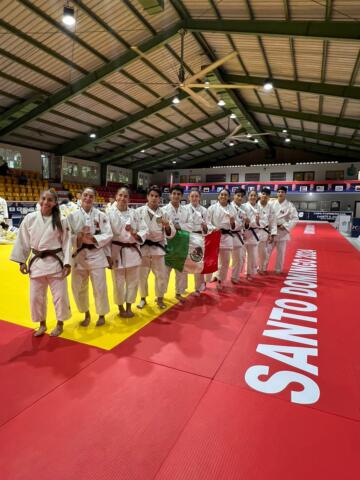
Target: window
<point>301,176</point>
<point>12,157</point>
<point>215,177</point>
<point>252,177</point>
<point>194,179</point>
<point>45,162</point>
<point>334,175</point>
<point>234,177</point>
<point>277,176</point>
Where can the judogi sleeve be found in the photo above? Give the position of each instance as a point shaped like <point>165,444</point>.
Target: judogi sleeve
<point>106,232</point>
<point>22,247</point>
<point>66,243</point>
<point>187,223</point>
<point>171,225</point>
<point>292,219</point>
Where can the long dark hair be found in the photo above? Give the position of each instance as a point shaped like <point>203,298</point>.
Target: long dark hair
<point>55,212</point>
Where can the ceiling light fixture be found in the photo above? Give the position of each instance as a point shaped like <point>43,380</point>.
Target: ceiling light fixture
<point>256,140</point>
<point>288,140</point>
<point>143,151</point>
<point>207,84</point>
<point>231,144</point>
<point>284,130</point>
<point>221,103</point>
<point>233,116</point>
<point>268,86</point>
<point>174,161</point>
<point>68,17</point>
<point>175,100</point>
<point>248,135</point>
<point>92,135</point>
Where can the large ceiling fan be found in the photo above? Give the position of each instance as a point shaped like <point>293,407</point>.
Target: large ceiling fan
<point>190,83</point>
<point>236,136</point>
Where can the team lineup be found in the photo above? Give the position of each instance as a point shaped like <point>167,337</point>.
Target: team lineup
<point>80,239</point>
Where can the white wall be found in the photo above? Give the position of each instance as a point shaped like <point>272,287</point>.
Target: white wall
<point>30,158</point>
<point>164,177</point>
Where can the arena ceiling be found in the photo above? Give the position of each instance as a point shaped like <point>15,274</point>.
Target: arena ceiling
<point>59,85</point>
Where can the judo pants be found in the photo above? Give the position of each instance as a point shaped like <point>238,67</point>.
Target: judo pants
<point>80,288</point>
<point>238,257</point>
<point>264,251</point>
<point>181,281</point>
<point>280,254</point>
<point>156,264</point>
<point>199,280</point>
<point>125,284</point>
<point>38,297</point>
<point>251,259</point>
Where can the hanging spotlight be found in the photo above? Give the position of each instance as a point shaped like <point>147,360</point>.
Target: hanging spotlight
<point>175,100</point>
<point>174,161</point>
<point>233,116</point>
<point>68,17</point>
<point>248,135</point>
<point>231,144</point>
<point>268,86</point>
<point>143,151</point>
<point>221,103</point>
<point>92,135</point>
<point>256,140</point>
<point>288,140</point>
<point>284,130</point>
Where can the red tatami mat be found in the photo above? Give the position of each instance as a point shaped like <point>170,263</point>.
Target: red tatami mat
<point>236,434</point>
<point>117,419</point>
<point>31,367</point>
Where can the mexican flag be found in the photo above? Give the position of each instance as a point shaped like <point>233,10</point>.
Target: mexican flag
<point>193,253</point>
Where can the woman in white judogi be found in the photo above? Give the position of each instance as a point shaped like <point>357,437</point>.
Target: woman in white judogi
<point>153,250</point>
<point>91,232</point>
<point>179,215</point>
<point>46,239</point>
<point>267,230</point>
<point>286,218</point>
<point>129,233</point>
<point>239,249</point>
<point>222,216</point>
<point>251,237</point>
<point>199,224</point>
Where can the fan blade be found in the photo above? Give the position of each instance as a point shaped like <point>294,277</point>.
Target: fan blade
<point>211,67</point>
<point>196,96</point>
<point>220,86</point>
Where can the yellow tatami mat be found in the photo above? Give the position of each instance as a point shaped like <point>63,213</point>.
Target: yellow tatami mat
<point>15,308</point>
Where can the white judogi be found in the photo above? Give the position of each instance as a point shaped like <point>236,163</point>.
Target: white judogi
<point>287,216</point>
<point>126,257</point>
<point>219,217</point>
<point>153,255</point>
<point>267,228</point>
<point>4,214</point>
<point>36,233</point>
<point>199,215</point>
<point>67,208</point>
<point>90,263</point>
<point>109,207</point>
<point>239,249</point>
<point>182,218</point>
<point>251,237</point>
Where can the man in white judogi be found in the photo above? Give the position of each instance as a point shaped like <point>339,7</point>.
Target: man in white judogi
<point>267,230</point>
<point>201,225</point>
<point>181,219</point>
<point>239,250</point>
<point>286,218</point>
<point>153,250</point>
<point>251,238</point>
<point>91,232</point>
<point>49,253</point>
<point>129,233</point>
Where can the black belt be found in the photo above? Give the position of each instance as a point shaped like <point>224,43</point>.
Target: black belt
<point>84,246</point>
<point>44,254</point>
<point>126,245</point>
<point>227,232</point>
<point>238,234</point>
<point>266,229</point>
<point>198,232</point>
<point>254,233</point>
<point>150,243</point>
